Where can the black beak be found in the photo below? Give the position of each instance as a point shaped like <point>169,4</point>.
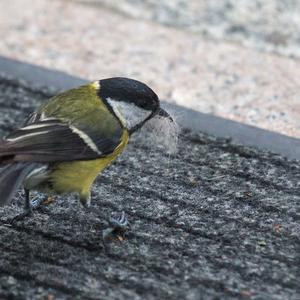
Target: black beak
<point>162,113</point>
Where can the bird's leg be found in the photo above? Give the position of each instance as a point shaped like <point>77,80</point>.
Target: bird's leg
<point>29,206</point>
<point>85,200</point>
<point>117,226</point>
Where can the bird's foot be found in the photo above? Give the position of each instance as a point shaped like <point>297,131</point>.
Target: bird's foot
<point>28,211</point>
<point>38,201</point>
<point>117,228</point>
<point>47,201</point>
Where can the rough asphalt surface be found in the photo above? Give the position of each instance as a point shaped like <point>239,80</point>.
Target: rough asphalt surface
<point>214,221</point>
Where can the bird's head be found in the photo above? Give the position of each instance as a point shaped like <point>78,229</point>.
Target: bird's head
<point>132,101</point>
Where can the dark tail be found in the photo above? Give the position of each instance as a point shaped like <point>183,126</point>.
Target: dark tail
<point>11,177</point>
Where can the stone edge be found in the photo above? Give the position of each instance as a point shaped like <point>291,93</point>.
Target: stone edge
<point>187,118</point>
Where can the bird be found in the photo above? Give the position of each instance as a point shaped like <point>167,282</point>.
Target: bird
<point>64,145</point>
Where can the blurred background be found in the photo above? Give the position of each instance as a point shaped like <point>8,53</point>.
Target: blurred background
<point>234,59</point>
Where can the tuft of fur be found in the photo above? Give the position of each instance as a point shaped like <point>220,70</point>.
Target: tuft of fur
<point>162,132</point>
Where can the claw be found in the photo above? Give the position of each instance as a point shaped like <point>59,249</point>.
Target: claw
<point>117,227</point>
<point>49,200</point>
<point>28,210</point>
<point>119,223</point>
<point>21,216</point>
<point>38,201</point>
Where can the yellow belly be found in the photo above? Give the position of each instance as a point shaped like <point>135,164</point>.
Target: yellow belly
<point>78,176</point>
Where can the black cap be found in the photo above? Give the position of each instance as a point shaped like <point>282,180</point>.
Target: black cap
<point>129,90</point>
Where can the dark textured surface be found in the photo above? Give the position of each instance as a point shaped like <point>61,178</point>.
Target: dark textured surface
<point>214,221</point>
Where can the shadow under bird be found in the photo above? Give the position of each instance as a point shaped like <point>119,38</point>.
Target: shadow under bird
<point>70,139</point>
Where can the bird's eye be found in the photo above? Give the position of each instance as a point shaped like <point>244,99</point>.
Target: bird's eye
<point>144,104</point>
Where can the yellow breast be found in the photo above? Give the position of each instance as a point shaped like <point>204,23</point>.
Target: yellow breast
<point>79,176</point>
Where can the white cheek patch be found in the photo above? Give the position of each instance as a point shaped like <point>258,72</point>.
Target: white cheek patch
<point>128,113</point>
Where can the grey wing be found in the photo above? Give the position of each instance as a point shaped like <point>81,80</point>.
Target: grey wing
<point>32,118</point>
<point>53,140</point>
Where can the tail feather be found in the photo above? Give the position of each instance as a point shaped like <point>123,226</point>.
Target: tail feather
<point>11,177</point>
<point>5,155</point>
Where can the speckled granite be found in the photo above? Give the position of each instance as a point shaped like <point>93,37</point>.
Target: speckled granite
<point>267,25</point>
<point>214,221</point>
<point>212,76</point>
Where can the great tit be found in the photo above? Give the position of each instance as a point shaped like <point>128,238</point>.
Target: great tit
<point>70,139</point>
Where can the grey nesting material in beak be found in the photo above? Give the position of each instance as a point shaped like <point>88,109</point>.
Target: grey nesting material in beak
<point>163,113</point>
